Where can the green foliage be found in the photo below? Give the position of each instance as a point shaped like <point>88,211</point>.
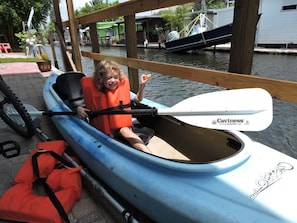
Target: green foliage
<point>176,17</point>
<point>14,60</point>
<point>216,4</point>
<point>43,56</point>
<point>94,5</point>
<point>25,39</point>
<point>211,4</point>
<point>13,12</point>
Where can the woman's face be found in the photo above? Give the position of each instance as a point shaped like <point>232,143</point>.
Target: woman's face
<point>111,80</point>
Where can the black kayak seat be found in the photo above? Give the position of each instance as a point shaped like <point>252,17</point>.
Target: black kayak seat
<point>68,87</point>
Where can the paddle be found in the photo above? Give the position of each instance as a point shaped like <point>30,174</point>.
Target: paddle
<point>247,109</point>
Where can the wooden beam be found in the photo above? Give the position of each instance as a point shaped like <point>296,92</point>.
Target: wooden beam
<point>131,46</point>
<point>243,36</point>
<point>58,16</point>
<point>71,61</point>
<point>59,30</point>
<point>67,64</point>
<point>127,8</point>
<point>94,40</point>
<point>74,37</point>
<point>279,89</point>
<point>50,35</point>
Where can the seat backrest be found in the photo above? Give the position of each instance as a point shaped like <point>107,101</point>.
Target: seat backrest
<point>69,88</point>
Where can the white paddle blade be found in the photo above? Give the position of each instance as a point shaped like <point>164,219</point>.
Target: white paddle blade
<point>241,109</point>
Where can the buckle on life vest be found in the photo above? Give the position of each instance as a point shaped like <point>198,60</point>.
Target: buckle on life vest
<point>9,149</point>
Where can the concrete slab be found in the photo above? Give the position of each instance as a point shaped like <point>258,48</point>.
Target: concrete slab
<point>11,68</point>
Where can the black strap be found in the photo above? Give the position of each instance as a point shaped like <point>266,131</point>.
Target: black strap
<point>9,149</point>
<point>110,110</point>
<point>49,192</point>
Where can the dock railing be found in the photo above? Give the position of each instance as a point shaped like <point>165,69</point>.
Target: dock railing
<point>279,89</point>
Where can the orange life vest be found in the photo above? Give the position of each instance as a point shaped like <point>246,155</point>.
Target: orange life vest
<point>19,203</point>
<point>96,100</point>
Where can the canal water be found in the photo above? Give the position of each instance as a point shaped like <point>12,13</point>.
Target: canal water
<point>281,135</point>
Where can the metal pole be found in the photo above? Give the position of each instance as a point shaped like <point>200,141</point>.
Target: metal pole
<point>126,214</point>
<point>50,34</point>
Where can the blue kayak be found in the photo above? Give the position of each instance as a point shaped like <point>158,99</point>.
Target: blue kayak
<point>195,175</point>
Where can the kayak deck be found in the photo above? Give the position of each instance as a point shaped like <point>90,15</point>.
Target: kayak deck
<point>208,169</point>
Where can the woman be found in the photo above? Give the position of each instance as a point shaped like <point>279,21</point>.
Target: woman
<point>112,88</point>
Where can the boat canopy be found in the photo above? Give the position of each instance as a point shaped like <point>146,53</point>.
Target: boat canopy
<point>105,25</point>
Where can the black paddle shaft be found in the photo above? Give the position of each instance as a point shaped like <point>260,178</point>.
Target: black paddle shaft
<point>149,111</point>
<point>92,114</point>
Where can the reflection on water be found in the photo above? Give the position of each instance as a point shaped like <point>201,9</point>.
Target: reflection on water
<point>281,135</point>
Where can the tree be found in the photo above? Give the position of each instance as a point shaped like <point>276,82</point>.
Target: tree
<point>210,4</point>
<point>14,12</point>
<point>94,5</point>
<point>176,17</point>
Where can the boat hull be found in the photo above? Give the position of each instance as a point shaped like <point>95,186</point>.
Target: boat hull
<point>252,185</point>
<point>209,38</point>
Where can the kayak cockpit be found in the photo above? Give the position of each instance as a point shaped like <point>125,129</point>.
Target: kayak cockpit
<point>176,140</point>
<point>173,139</point>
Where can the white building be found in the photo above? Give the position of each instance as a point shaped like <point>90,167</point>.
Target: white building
<point>277,26</point>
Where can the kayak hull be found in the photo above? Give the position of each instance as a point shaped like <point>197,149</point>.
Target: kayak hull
<point>252,185</point>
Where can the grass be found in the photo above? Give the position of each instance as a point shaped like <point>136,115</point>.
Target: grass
<point>13,60</point>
